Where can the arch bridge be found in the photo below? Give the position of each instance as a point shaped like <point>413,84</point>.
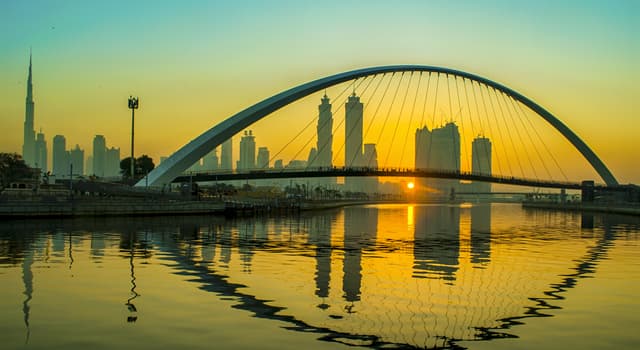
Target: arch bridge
<point>190,153</point>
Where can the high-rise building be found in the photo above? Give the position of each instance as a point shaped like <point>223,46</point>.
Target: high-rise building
<point>29,143</point>
<point>247,151</point>
<point>370,183</point>
<point>99,155</point>
<point>60,157</point>
<point>324,144</point>
<point>353,132</point>
<point>438,150</point>
<point>41,153</point>
<point>226,155</point>
<point>210,161</point>
<point>112,162</point>
<point>262,161</point>
<point>89,166</point>
<point>76,157</point>
<point>481,162</point>
<point>353,140</point>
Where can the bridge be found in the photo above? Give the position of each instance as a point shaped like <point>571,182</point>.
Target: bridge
<point>517,147</point>
<point>372,172</point>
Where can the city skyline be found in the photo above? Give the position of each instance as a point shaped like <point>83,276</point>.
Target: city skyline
<point>569,74</point>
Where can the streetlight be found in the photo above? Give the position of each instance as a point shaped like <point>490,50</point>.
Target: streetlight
<point>133,105</point>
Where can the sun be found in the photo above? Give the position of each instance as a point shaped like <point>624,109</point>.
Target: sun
<point>410,185</point>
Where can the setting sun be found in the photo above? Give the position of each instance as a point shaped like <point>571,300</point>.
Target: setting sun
<point>410,185</point>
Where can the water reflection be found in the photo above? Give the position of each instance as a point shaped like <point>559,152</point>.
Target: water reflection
<point>438,275</point>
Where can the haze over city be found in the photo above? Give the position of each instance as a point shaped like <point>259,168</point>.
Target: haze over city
<point>196,63</point>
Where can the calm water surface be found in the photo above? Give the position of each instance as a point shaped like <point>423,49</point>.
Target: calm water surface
<point>380,276</point>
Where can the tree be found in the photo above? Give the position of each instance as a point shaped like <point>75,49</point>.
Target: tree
<point>143,165</point>
<point>12,168</point>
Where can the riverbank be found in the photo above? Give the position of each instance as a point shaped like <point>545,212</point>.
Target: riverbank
<point>608,208</point>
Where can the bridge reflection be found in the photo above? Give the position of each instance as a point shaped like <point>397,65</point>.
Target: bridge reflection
<point>377,276</point>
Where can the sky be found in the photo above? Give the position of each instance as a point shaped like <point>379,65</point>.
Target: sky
<point>195,63</point>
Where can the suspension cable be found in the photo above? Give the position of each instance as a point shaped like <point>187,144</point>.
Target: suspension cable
<point>513,145</point>
<point>413,108</point>
<point>404,99</point>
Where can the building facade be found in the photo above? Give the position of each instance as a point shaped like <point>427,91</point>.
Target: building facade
<point>99,155</point>
<point>60,157</point>
<point>439,150</point>
<point>481,162</point>
<point>41,160</point>
<point>247,159</point>
<point>29,141</point>
<point>226,155</point>
<point>262,161</point>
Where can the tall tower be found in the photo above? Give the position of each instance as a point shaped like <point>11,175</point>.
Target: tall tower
<point>262,160</point>
<point>99,155</point>
<point>226,155</point>
<point>370,183</point>
<point>325,136</point>
<point>60,156</point>
<point>76,158</point>
<point>438,149</point>
<point>41,152</point>
<point>247,152</point>
<point>353,132</point>
<point>353,156</point>
<point>29,144</point>
<point>481,162</point>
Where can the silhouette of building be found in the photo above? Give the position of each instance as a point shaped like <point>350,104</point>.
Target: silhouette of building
<point>370,183</point>
<point>76,158</point>
<point>112,162</point>
<point>60,157</point>
<point>353,140</point>
<point>41,153</point>
<point>262,161</point>
<point>324,143</point>
<point>89,166</point>
<point>278,164</point>
<point>99,155</point>
<point>29,143</point>
<point>226,155</point>
<point>247,152</point>
<point>106,161</point>
<point>210,161</point>
<point>438,150</point>
<point>481,162</point>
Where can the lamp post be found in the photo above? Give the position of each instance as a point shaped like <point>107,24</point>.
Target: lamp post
<point>133,105</point>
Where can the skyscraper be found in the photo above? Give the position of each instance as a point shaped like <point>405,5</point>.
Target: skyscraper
<point>262,161</point>
<point>226,155</point>
<point>481,162</point>
<point>353,132</point>
<point>60,156</point>
<point>112,162</point>
<point>370,183</point>
<point>325,136</point>
<point>29,143</point>
<point>438,150</point>
<point>99,154</point>
<point>210,161</point>
<point>41,153</point>
<point>353,140</point>
<point>76,158</point>
<point>247,152</point>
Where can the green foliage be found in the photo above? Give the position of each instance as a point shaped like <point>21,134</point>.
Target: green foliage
<point>12,168</point>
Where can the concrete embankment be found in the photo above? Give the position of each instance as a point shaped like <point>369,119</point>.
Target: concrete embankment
<point>107,207</point>
<point>600,208</point>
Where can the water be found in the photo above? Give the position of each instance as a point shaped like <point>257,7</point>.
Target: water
<point>380,276</point>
